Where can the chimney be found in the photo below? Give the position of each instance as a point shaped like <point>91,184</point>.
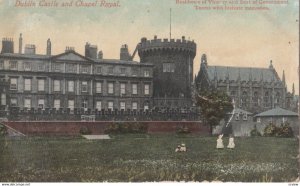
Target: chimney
<point>7,45</point>
<point>20,44</point>
<point>68,49</point>
<point>29,49</point>
<point>48,51</point>
<point>124,53</point>
<point>100,55</point>
<point>91,51</point>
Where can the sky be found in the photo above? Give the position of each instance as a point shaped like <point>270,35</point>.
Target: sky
<point>228,38</point>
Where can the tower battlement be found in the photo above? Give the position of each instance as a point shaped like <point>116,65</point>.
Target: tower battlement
<point>173,44</point>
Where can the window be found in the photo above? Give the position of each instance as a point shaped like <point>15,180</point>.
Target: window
<point>98,87</point>
<point>168,67</point>
<point>98,105</point>
<point>72,68</point>
<point>27,103</point>
<point>98,70</point>
<point>56,67</point>
<point>84,86</point>
<point>122,105</point>
<point>41,103</point>
<point>237,116</point>
<point>123,88</point>
<point>1,64</point>
<point>13,84</point>
<point>41,85</point>
<point>147,88</point>
<point>13,102</point>
<point>3,99</point>
<point>13,65</point>
<point>134,88</point>
<point>110,70</point>
<point>27,66</point>
<point>134,105</point>
<point>71,86</point>
<point>111,105</point>
<point>71,104</point>
<point>41,67</point>
<point>110,88</point>
<point>134,72</point>
<point>146,73</point>
<point>85,69</point>
<point>123,71</point>
<point>258,120</point>
<point>245,117</point>
<point>56,85</point>
<point>27,83</point>
<point>56,104</point>
<point>84,105</point>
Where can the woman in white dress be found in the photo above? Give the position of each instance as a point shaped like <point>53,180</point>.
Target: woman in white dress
<point>231,144</point>
<point>220,144</point>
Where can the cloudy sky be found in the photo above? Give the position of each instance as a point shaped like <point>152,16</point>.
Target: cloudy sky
<point>233,38</point>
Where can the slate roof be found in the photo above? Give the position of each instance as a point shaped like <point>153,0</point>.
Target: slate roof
<point>25,56</point>
<point>245,73</point>
<point>238,110</point>
<point>277,112</point>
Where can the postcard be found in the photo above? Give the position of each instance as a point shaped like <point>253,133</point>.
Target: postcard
<point>136,91</point>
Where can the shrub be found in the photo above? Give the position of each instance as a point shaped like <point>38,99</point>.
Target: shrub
<point>255,132</point>
<point>125,128</point>
<point>85,131</point>
<point>270,130</point>
<point>283,131</point>
<point>3,130</point>
<point>183,130</point>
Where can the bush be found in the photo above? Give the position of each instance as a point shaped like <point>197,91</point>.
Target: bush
<point>85,131</point>
<point>255,132</point>
<point>183,130</point>
<point>283,131</point>
<point>3,130</point>
<point>126,128</point>
<point>270,130</point>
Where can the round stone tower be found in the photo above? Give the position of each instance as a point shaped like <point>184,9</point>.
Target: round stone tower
<point>173,65</point>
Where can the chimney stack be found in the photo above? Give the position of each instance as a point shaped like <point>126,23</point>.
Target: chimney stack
<point>48,51</point>
<point>29,49</point>
<point>100,55</point>
<point>69,49</point>
<point>124,53</point>
<point>20,43</point>
<point>7,45</point>
<point>91,51</point>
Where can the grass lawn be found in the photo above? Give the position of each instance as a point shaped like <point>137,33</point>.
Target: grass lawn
<point>141,158</point>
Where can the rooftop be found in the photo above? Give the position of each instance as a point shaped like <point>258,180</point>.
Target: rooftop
<point>277,112</point>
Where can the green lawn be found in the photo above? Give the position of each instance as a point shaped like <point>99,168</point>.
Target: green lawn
<point>140,158</point>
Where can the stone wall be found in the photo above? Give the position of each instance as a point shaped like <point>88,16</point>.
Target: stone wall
<point>73,128</point>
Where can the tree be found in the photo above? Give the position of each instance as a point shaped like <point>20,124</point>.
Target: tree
<point>214,106</point>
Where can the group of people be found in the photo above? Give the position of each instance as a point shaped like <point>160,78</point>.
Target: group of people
<point>181,148</point>
<point>220,144</point>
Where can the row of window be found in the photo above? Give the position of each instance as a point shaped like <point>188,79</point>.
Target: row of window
<point>71,86</point>
<point>72,68</point>
<point>255,94</point>
<point>71,104</point>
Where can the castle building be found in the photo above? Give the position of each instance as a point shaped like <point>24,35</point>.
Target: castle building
<point>253,89</point>
<point>172,71</point>
<point>73,82</point>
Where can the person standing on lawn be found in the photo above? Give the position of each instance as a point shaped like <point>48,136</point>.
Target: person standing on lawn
<point>220,144</point>
<point>231,144</point>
